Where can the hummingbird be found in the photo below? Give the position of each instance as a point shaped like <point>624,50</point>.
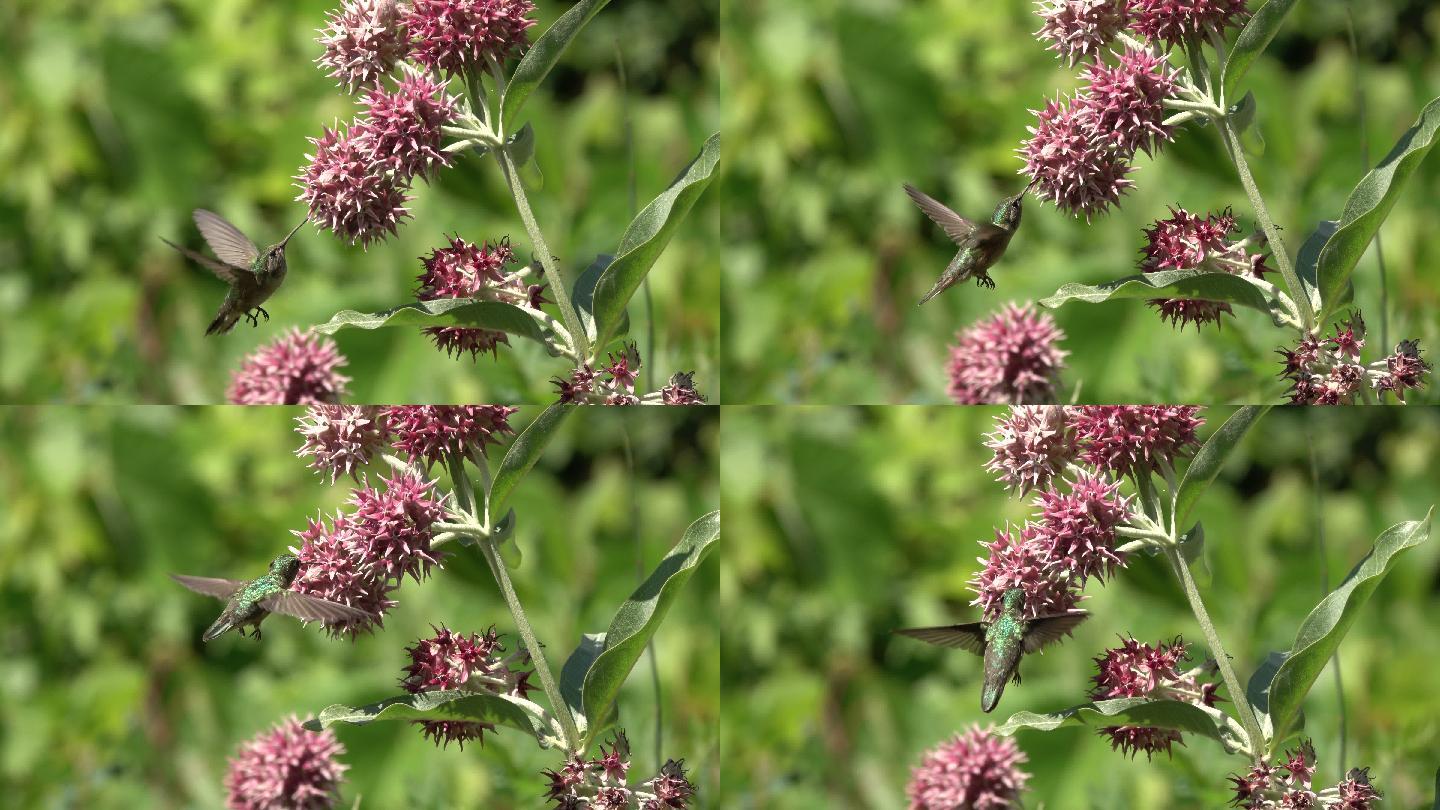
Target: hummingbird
<point>981,243</point>
<point>248,603</point>
<point>1002,642</point>
<point>253,275</point>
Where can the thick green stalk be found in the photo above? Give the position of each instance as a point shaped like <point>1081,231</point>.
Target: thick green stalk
<point>558,282</point>
<point>1272,234</point>
<point>1237,694</point>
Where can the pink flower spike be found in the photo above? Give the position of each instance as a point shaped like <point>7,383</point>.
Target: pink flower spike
<point>1032,445</point>
<point>296,368</point>
<point>1079,29</point>
<point>348,190</point>
<point>286,767</point>
<point>331,567</point>
<point>1123,105</point>
<point>453,35</point>
<point>975,769</point>
<point>363,41</point>
<point>1019,559</point>
<point>1078,527</point>
<point>1070,165</point>
<point>390,528</point>
<point>1012,358</point>
<point>1125,439</point>
<point>429,432</point>
<point>1187,241</point>
<point>340,438</point>
<point>466,270</point>
<point>404,125</point>
<point>1173,21</point>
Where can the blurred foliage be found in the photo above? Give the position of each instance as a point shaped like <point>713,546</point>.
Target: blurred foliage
<point>120,116</point>
<point>108,698</point>
<point>830,105</point>
<point>849,522</point>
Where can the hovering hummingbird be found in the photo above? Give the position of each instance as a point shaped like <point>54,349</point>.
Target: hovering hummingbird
<point>981,243</point>
<point>253,275</point>
<point>1002,642</point>
<point>250,602</point>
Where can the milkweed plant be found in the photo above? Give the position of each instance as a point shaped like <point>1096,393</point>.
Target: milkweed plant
<point>1109,484</point>
<point>438,81</point>
<point>1148,69</point>
<point>425,488</point>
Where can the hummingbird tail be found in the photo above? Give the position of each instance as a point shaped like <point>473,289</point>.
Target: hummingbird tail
<point>217,629</point>
<point>990,696</point>
<point>934,291</point>
<point>220,325</point>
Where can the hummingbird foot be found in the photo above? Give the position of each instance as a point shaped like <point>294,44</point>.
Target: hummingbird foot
<point>267,315</point>
<point>252,318</point>
<point>985,281</point>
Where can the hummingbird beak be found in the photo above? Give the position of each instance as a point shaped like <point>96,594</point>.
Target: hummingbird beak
<point>286,240</point>
<point>1030,185</point>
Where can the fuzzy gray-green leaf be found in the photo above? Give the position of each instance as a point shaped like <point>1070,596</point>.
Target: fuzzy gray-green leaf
<point>1192,284</point>
<point>1322,631</point>
<point>543,55</point>
<point>640,616</point>
<point>1207,463</point>
<point>501,317</point>
<point>450,704</point>
<point>1253,40</point>
<point>525,451</point>
<point>1169,714</point>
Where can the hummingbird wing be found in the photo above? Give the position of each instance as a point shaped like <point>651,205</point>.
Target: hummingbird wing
<point>224,272</point>
<point>1050,629</point>
<point>956,227</point>
<point>210,586</point>
<point>232,246</point>
<point>311,608</point>
<point>969,636</point>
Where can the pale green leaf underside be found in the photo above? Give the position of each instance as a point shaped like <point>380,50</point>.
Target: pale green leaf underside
<point>466,312</point>
<point>1168,714</point>
<point>451,704</point>
<point>1192,284</point>
<point>1207,463</point>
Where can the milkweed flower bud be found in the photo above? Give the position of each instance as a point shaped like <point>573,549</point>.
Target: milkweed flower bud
<point>1288,786</point>
<point>340,438</point>
<point>453,35</point>
<point>974,770</point>
<point>450,660</point>
<point>1031,445</point>
<point>1124,105</point>
<point>1328,371</point>
<point>286,768</point>
<point>1173,21</point>
<point>1124,439</point>
<point>297,368</point>
<point>614,384</point>
<point>429,432</point>
<point>363,41</point>
<point>1187,241</point>
<point>1135,669</point>
<point>1012,358</point>
<point>600,783</point>
<point>348,191</point>
<point>1079,29</point>
<point>404,125</point>
<point>1070,165</point>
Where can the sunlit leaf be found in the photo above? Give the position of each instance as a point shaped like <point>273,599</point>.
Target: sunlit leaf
<point>495,315</point>
<point>450,704</point>
<point>543,55</point>
<point>1207,463</point>
<point>1253,40</point>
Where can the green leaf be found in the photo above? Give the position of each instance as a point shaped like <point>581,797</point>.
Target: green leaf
<point>1321,632</point>
<point>450,704</point>
<point>543,55</point>
<point>1257,691</point>
<point>1175,715</point>
<point>501,317</point>
<point>1309,256</point>
<point>1207,463</point>
<point>640,616</point>
<point>1242,118</point>
<point>524,452</point>
<point>584,295</point>
<point>572,674</point>
<point>1194,284</point>
<point>1192,548</point>
<point>1437,789</point>
<point>1370,203</point>
<point>1253,39</point>
<point>646,238</point>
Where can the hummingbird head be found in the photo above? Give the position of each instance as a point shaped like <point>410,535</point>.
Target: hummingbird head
<point>1007,213</point>
<point>287,566</point>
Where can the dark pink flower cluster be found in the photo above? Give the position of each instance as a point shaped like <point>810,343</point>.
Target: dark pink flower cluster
<point>1289,786</point>
<point>1140,670</point>
<point>1011,358</point>
<point>1031,446</point>
<point>1330,372</point>
<point>455,35</point>
<point>1174,21</point>
<point>1077,528</point>
<point>297,368</point>
<point>1128,439</point>
<point>1123,104</point>
<point>1071,164</point>
<point>614,384</point>
<point>455,661</point>
<point>404,125</point>
<point>1021,559</point>
<point>601,783</point>
<point>361,557</point>
<point>286,767</point>
<point>1078,29</point>
<point>1189,241</point>
<point>341,438</point>
<point>363,42</point>
<point>466,270</point>
<point>973,770</point>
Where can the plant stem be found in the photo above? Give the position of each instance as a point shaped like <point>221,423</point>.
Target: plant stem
<point>1365,159</point>
<point>1272,234</point>
<point>1325,574</point>
<point>558,286</point>
<point>532,646</point>
<point>1237,694</point>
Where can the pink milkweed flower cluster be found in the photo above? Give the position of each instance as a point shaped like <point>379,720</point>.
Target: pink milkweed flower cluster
<point>1080,149</point>
<point>1011,358</point>
<point>286,768</point>
<point>614,384</point>
<point>1074,535</point>
<point>341,439</point>
<point>1135,669</point>
<point>466,270</point>
<point>362,556</point>
<point>601,783</point>
<point>450,660</point>
<point>358,178</point>
<point>975,769</point>
<point>1289,784</point>
<point>1187,241</point>
<point>1329,371</point>
<point>297,368</point>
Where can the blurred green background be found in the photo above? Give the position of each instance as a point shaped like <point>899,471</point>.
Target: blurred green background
<point>108,698</point>
<point>830,105</point>
<point>850,522</point>
<point>120,116</point>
